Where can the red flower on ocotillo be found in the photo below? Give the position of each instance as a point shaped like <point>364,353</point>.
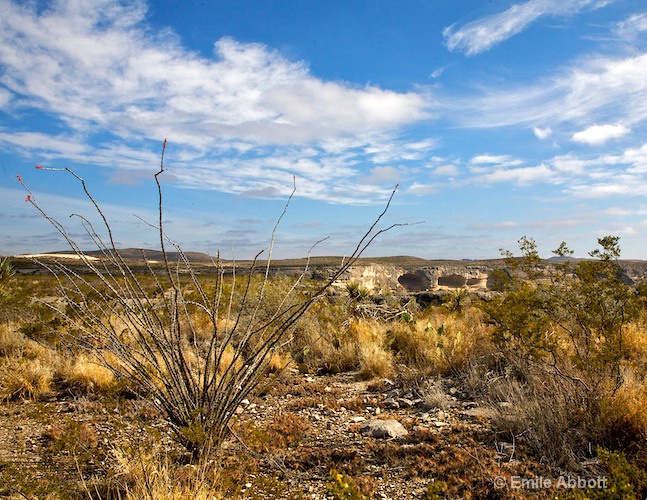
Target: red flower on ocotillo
<point>39,167</point>
<point>28,198</point>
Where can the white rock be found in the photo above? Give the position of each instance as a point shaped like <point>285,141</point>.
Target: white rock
<point>384,429</point>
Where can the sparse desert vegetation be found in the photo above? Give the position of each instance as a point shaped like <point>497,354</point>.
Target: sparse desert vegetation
<point>479,399</point>
<point>124,378</point>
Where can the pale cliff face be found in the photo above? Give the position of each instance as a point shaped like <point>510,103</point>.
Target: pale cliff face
<point>380,278</point>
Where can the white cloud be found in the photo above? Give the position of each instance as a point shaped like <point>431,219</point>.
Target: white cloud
<point>599,134</point>
<point>447,170</point>
<point>384,176</point>
<point>596,89</point>
<point>542,133</point>
<point>571,164</point>
<point>522,176</point>
<point>632,27</point>
<point>636,158</point>
<point>420,189</point>
<point>500,160</point>
<point>481,35</point>
<point>5,98</point>
<point>386,150</point>
<point>99,68</point>
<point>437,72</point>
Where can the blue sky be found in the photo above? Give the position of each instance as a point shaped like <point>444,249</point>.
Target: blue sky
<point>497,119</point>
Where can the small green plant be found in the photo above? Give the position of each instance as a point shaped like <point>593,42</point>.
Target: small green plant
<point>457,301</point>
<point>342,487</point>
<point>356,292</point>
<point>6,270</point>
<point>623,480</point>
<point>436,491</point>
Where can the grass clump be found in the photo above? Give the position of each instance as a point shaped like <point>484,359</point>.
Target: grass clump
<point>85,375</point>
<point>25,379</point>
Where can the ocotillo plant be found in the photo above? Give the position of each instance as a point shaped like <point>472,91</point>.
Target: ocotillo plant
<point>196,356</point>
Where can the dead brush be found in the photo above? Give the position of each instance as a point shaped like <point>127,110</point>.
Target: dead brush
<point>185,366</point>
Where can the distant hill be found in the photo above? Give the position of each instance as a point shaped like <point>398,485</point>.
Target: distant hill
<point>403,261</point>
<point>151,255</point>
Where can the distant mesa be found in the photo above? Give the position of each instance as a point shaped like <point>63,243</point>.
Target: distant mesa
<point>376,274</point>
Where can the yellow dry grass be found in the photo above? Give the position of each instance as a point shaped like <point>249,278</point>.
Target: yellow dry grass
<point>370,341</point>
<point>27,368</point>
<point>153,474</point>
<point>23,378</point>
<point>86,374</point>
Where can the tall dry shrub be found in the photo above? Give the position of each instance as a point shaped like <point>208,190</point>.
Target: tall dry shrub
<point>195,347</point>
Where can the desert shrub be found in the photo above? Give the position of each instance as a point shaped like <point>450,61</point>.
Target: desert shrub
<point>563,328</point>
<point>624,480</point>
<point>321,342</point>
<point>27,368</point>
<point>546,414</point>
<point>433,341</point>
<point>623,416</point>
<point>375,357</point>
<point>12,341</point>
<point>171,331</point>
<point>437,341</point>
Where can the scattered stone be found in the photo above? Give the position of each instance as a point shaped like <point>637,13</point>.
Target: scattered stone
<point>384,429</point>
<point>388,382</point>
<point>439,423</point>
<point>405,402</point>
<point>468,405</point>
<point>391,403</point>
<point>358,419</point>
<point>476,413</point>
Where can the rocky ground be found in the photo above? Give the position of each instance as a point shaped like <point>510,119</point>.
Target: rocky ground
<point>308,436</point>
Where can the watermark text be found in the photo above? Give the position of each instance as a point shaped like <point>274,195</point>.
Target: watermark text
<point>545,483</point>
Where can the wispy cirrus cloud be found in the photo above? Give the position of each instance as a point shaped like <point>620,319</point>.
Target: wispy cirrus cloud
<point>632,27</point>
<point>97,68</point>
<point>481,35</point>
<point>598,89</point>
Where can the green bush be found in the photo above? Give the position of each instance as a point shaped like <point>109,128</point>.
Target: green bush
<point>565,323</point>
